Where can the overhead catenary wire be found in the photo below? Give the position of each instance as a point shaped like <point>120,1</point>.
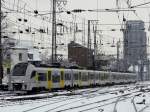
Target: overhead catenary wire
<point>110,9</point>
<point>14,11</point>
<point>98,24</point>
<point>140,5</point>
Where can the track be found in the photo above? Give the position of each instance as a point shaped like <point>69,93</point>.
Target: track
<point>77,100</point>
<point>89,104</point>
<point>87,95</point>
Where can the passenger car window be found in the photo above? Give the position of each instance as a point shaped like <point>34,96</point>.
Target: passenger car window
<point>56,78</point>
<point>42,76</point>
<point>33,74</point>
<point>76,76</point>
<point>67,76</point>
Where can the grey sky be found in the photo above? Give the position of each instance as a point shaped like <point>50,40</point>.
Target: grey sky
<point>103,17</point>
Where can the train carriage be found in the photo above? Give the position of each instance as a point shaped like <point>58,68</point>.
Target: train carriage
<point>27,77</point>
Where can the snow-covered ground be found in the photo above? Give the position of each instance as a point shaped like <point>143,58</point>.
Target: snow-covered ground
<point>123,98</point>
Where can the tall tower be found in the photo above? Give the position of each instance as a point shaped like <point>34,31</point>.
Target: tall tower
<point>134,43</point>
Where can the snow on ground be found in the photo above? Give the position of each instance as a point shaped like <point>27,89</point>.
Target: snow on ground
<point>124,98</point>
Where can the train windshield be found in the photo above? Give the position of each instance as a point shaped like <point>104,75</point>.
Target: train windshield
<point>20,69</point>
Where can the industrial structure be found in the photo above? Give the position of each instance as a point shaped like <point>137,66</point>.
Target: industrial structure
<point>78,54</point>
<point>134,42</point>
<point>135,45</point>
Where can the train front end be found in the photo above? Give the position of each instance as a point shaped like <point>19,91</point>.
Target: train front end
<point>19,78</point>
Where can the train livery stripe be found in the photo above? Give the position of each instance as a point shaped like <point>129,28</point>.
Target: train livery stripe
<point>49,79</point>
<point>62,82</point>
<point>37,79</point>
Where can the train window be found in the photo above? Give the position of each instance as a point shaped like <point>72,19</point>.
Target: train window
<point>62,75</point>
<point>117,77</point>
<point>88,75</point>
<point>20,56</point>
<point>75,76</point>
<point>67,76</point>
<point>33,74</point>
<point>96,76</point>
<point>84,77</point>
<point>49,75</point>
<point>91,76</point>
<point>106,76</point>
<point>99,76</point>
<point>56,78</point>
<point>8,70</point>
<point>114,77</point>
<point>42,76</point>
<point>79,75</point>
<point>20,69</point>
<point>102,76</point>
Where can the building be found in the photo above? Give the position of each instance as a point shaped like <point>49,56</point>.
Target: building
<point>135,41</point>
<point>14,53</point>
<point>13,56</point>
<point>78,54</point>
<point>104,62</point>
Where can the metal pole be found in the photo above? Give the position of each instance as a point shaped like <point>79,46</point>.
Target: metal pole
<point>83,32</point>
<point>118,69</point>
<point>148,70</point>
<point>95,45</point>
<point>1,55</point>
<point>54,32</point>
<point>141,70</point>
<point>74,32</point>
<point>89,45</point>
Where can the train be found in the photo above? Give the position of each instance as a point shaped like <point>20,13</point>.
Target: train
<point>29,77</point>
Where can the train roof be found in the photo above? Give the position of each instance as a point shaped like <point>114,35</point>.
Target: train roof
<point>57,66</point>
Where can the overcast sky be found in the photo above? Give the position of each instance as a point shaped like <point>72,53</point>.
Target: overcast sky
<point>103,17</point>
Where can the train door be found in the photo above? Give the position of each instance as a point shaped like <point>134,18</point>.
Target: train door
<point>68,78</point>
<point>49,79</point>
<point>75,78</point>
<point>84,78</point>
<point>96,77</point>
<point>34,82</point>
<point>102,77</point>
<point>62,82</point>
<point>92,78</point>
<point>42,79</point>
<point>80,79</point>
<point>56,78</point>
<point>89,80</point>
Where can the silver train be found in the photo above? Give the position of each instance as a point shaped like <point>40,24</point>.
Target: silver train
<point>28,77</point>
